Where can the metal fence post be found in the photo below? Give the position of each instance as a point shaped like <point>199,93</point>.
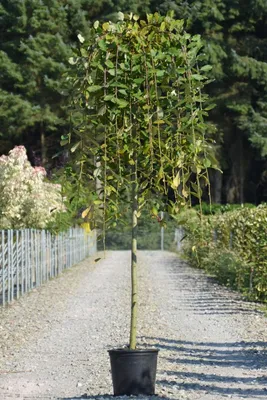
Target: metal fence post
<point>3,267</point>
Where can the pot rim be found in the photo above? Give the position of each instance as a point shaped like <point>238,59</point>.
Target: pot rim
<point>129,351</point>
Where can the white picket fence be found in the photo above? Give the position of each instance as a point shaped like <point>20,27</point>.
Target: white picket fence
<point>30,257</point>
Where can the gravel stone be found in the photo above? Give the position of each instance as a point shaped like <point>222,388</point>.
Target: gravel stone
<point>54,341</point>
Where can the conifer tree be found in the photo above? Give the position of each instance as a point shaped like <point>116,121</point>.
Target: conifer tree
<point>36,43</point>
<point>234,34</point>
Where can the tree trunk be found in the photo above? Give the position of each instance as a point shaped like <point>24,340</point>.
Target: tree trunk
<point>241,170</point>
<point>216,187</point>
<point>134,259</point>
<point>43,145</point>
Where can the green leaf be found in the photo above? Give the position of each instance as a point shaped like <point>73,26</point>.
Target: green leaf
<point>102,110</point>
<point>119,85</point>
<point>195,186</point>
<point>210,107</point>
<point>122,103</point>
<point>206,68</point>
<point>207,163</point>
<point>197,77</point>
<point>138,81</point>
<point>109,64</point>
<point>122,91</point>
<point>110,97</point>
<point>160,73</point>
<point>94,88</point>
<point>102,45</point>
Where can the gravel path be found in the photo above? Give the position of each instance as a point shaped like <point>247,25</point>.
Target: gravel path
<point>54,341</point>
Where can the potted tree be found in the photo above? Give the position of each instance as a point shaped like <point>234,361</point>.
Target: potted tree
<point>138,83</point>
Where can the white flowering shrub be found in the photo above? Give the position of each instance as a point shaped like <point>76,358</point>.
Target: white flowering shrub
<point>26,199</point>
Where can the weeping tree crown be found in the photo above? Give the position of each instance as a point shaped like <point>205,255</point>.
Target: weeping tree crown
<point>139,85</point>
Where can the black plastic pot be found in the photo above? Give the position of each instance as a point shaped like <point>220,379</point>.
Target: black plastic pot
<point>133,371</point>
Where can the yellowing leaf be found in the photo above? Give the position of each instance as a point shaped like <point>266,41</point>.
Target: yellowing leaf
<point>154,211</point>
<point>105,26</point>
<point>75,147</point>
<point>161,173</point>
<point>98,202</point>
<point>162,26</point>
<point>159,122</point>
<point>176,181</point>
<point>86,212</point>
<point>86,227</point>
<point>185,193</point>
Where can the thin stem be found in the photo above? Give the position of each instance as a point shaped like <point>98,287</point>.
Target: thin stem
<point>105,177</point>
<point>158,127</point>
<point>150,128</point>
<point>133,328</point>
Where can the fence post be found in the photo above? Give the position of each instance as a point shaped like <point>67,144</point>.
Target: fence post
<point>17,263</point>
<point>3,267</point>
<point>162,232</point>
<point>179,232</point>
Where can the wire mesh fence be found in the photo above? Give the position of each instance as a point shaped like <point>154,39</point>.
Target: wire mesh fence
<point>30,257</point>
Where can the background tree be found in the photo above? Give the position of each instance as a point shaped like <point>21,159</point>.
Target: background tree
<point>36,40</point>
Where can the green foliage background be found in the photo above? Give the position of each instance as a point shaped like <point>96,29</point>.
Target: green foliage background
<point>38,37</point>
<point>149,233</point>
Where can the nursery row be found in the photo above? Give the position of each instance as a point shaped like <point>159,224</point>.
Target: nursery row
<point>231,246</point>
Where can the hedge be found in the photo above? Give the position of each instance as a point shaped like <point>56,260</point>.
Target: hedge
<point>231,246</point>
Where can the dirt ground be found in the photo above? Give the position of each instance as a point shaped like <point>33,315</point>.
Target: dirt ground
<point>54,341</point>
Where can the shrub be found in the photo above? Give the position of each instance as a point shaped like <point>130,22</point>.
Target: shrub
<point>27,200</point>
